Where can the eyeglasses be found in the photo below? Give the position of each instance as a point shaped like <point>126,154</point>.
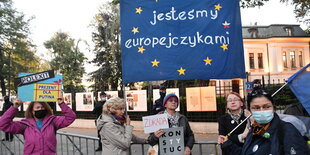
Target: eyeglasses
<point>234,100</point>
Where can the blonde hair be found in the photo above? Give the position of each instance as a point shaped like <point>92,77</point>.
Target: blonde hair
<point>112,105</point>
<point>28,112</point>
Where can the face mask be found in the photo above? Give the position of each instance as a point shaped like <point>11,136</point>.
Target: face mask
<point>40,114</point>
<point>103,99</point>
<point>263,117</point>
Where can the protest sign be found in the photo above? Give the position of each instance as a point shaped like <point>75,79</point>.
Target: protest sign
<point>67,99</point>
<point>44,91</point>
<point>172,142</point>
<point>136,100</point>
<point>33,78</point>
<point>155,122</point>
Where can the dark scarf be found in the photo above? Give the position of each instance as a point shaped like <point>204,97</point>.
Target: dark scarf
<point>121,119</point>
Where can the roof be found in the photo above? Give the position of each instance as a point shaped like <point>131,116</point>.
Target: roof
<point>274,30</point>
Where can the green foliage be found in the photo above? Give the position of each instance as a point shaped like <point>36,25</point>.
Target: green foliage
<point>106,37</point>
<point>67,60</point>
<point>17,53</point>
<point>283,97</point>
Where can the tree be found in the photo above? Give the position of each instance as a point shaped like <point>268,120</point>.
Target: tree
<point>67,60</point>
<point>17,53</point>
<point>106,37</point>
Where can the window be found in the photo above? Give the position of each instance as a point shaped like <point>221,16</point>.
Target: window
<point>260,61</point>
<point>300,59</point>
<point>251,60</point>
<point>284,59</point>
<point>288,31</point>
<point>292,59</point>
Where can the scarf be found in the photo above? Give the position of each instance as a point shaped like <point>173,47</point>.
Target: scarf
<point>259,129</point>
<point>121,119</point>
<point>173,120</point>
<point>235,117</point>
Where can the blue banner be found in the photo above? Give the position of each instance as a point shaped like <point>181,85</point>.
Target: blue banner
<point>300,85</point>
<point>181,40</point>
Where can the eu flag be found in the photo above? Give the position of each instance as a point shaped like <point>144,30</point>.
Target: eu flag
<point>181,40</point>
<point>300,85</point>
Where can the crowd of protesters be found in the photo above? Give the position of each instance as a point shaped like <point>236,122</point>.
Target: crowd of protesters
<point>263,133</point>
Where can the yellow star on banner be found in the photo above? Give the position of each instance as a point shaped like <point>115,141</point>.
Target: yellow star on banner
<point>181,71</point>
<point>224,46</point>
<point>141,49</point>
<point>155,63</point>
<point>135,30</point>
<point>218,7</point>
<point>208,61</point>
<point>139,10</point>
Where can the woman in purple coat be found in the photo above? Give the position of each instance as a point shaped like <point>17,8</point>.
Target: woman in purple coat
<point>39,127</point>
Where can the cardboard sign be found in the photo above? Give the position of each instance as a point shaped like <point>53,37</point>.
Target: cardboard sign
<point>33,78</point>
<point>155,122</point>
<point>172,142</point>
<point>44,91</point>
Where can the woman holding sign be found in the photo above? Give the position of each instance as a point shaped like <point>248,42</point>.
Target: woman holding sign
<point>269,134</point>
<point>39,127</point>
<point>235,114</point>
<point>175,119</point>
<point>115,129</point>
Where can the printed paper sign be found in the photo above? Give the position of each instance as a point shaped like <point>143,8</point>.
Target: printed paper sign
<point>84,101</point>
<point>44,91</point>
<point>172,142</point>
<point>67,99</point>
<point>155,122</point>
<point>136,100</point>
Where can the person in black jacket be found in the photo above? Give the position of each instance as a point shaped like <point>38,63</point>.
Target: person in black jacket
<point>175,119</point>
<point>235,114</point>
<point>158,105</point>
<point>7,104</point>
<point>268,134</point>
<point>98,111</point>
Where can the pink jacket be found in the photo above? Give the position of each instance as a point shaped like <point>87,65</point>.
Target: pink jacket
<point>37,142</point>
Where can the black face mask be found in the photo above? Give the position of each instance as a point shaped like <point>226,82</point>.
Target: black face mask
<point>40,114</point>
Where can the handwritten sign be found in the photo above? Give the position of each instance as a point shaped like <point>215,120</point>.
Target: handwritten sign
<point>172,142</point>
<point>155,122</point>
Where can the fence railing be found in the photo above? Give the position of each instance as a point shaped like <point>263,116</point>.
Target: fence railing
<point>72,144</point>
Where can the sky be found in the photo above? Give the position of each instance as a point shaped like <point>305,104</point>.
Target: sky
<point>74,17</point>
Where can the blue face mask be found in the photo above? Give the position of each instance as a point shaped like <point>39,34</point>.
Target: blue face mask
<point>263,117</point>
<point>103,99</point>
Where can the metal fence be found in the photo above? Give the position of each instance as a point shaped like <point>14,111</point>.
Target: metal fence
<point>75,144</point>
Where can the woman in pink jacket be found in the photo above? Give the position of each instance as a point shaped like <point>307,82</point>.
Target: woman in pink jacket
<point>39,127</point>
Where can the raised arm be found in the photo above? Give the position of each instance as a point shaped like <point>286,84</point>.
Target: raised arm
<point>6,121</point>
<point>67,119</point>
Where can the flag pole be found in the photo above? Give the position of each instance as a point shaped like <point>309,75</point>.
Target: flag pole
<point>279,89</point>
<point>125,98</point>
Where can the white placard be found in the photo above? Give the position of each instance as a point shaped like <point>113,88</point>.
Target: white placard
<point>155,122</point>
<point>84,101</point>
<point>168,91</point>
<point>67,99</point>
<point>136,100</point>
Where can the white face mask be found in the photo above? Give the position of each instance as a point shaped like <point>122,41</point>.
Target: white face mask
<point>263,117</point>
<point>103,99</point>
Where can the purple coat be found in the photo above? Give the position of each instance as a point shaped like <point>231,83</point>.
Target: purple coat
<point>37,142</point>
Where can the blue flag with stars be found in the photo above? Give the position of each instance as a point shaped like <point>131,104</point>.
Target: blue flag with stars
<point>181,40</point>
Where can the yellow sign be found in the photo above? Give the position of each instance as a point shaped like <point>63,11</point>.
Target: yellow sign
<point>46,92</point>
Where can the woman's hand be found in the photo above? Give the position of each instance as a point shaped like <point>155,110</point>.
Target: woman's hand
<point>222,139</point>
<point>159,133</point>
<point>127,120</point>
<point>187,151</point>
<point>17,103</point>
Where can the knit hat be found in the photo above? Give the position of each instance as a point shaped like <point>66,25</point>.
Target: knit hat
<point>169,96</point>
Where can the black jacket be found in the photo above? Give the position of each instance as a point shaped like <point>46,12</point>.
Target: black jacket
<point>284,139</point>
<point>158,106</point>
<point>189,138</point>
<point>98,108</point>
<point>227,124</point>
<point>7,104</point>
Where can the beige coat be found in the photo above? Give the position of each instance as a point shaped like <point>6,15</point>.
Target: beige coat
<point>115,137</point>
